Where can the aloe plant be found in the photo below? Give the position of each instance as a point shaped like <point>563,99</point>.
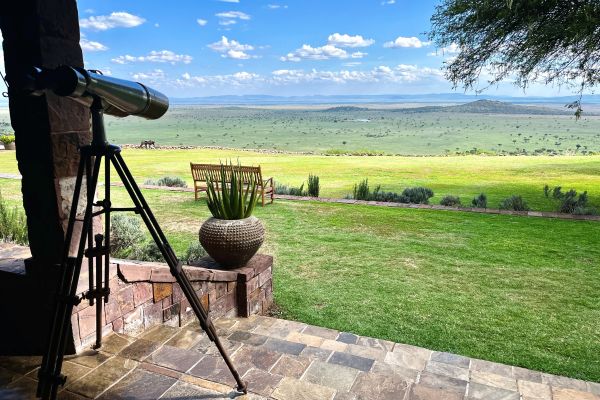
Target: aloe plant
<point>234,199</point>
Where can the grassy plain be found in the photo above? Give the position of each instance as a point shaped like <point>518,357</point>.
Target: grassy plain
<point>464,176</point>
<point>517,290</point>
<point>388,131</point>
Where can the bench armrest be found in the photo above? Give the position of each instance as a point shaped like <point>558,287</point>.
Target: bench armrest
<point>265,181</point>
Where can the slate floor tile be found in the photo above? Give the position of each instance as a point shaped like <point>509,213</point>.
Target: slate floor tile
<point>352,361</point>
<point>348,338</point>
<point>380,344</point>
<point>330,375</point>
<point>381,387</point>
<point>20,364</point>
<point>139,385</point>
<point>495,380</point>
<point>325,333</point>
<point>450,370</point>
<point>366,352</point>
<point>572,394</point>
<point>535,390</point>
<point>564,382</point>
<point>292,389</point>
<point>205,346</point>
<point>99,379</point>
<point>213,369</point>
<point>7,376</point>
<point>21,389</point>
<point>316,353</point>
<point>115,343</point>
<point>139,350</point>
<point>90,358</point>
<point>408,357</point>
<point>491,367</point>
<point>248,338</point>
<point>291,366</point>
<point>407,374</point>
<point>443,382</point>
<point>185,339</point>
<point>261,382</point>
<point>303,338</point>
<point>182,390</point>
<point>420,392</point>
<point>484,392</point>
<point>160,333</point>
<point>283,346</point>
<point>526,375</point>
<point>453,359</point>
<point>249,356</point>
<point>175,358</point>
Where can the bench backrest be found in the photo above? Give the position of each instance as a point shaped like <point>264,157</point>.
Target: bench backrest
<point>213,171</point>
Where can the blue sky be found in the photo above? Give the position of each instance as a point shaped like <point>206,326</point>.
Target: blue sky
<point>288,47</point>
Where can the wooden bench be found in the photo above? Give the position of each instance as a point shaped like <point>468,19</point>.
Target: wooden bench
<point>265,187</point>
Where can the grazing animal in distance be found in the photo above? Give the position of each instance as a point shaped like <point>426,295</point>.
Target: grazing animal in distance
<point>147,144</point>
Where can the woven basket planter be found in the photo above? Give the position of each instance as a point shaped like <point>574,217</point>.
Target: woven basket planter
<point>232,243</point>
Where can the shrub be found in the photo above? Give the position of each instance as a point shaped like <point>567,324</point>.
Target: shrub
<point>391,197</point>
<point>150,182</point>
<point>480,201</point>
<point>147,251</point>
<point>194,252</point>
<point>515,203</point>
<point>289,190</point>
<point>171,181</point>
<point>13,224</point>
<point>313,185</point>
<point>450,201</point>
<point>125,234</point>
<point>361,191</point>
<point>585,211</point>
<point>569,201</point>
<point>7,139</point>
<point>233,201</point>
<point>417,195</point>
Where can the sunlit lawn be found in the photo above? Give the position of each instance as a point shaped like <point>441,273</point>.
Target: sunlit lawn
<point>467,176</point>
<point>517,290</point>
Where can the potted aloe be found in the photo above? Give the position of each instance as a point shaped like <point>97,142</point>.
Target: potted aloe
<point>232,236</point>
<point>8,141</point>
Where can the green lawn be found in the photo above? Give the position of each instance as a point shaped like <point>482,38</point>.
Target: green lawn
<point>517,290</point>
<point>465,176</point>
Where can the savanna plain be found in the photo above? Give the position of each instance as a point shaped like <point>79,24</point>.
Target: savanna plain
<point>512,289</point>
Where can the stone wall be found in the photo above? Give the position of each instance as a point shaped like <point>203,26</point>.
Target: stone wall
<point>145,294</point>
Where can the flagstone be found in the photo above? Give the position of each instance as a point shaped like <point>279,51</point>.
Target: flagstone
<point>367,352</point>
<point>352,361</point>
<point>572,394</point>
<point>283,346</point>
<point>291,366</point>
<point>303,338</point>
<point>349,338</point>
<point>139,350</point>
<point>443,382</point>
<point>421,392</point>
<point>407,374</point>
<point>175,358</point>
<point>564,382</point>
<point>160,333</point>
<point>325,333</point>
<point>535,390</point>
<point>184,339</point>
<point>90,358</point>
<point>315,353</point>
<point>183,390</point>
<point>331,375</point>
<point>102,377</point>
<point>248,338</point>
<point>450,370</point>
<point>292,389</point>
<point>484,392</point>
<point>495,380</point>
<point>449,358</point>
<point>376,343</point>
<point>249,356</point>
<point>261,382</point>
<point>141,384</point>
<point>381,387</point>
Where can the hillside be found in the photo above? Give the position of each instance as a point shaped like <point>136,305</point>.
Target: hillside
<point>488,107</point>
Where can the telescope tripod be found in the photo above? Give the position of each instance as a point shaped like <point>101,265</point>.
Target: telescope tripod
<point>98,250</point>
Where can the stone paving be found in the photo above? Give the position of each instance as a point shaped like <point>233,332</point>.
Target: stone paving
<point>283,360</point>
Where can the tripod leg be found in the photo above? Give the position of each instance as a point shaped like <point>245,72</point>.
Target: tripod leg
<point>174,264</point>
<point>50,378</point>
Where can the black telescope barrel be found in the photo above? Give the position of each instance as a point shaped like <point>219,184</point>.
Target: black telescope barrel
<point>122,97</point>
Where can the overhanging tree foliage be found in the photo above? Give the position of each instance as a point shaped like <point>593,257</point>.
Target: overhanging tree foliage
<point>549,41</point>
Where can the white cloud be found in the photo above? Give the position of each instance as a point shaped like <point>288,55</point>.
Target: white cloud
<point>236,79</point>
<point>227,18</point>
<point>276,6</point>
<point>162,56</point>
<point>402,41</point>
<point>451,49</point>
<point>119,19</point>
<point>201,22</point>
<point>232,49</point>
<point>89,45</point>
<point>387,2</point>
<point>307,52</point>
<point>230,1</point>
<point>157,74</point>
<point>346,40</point>
<point>352,64</point>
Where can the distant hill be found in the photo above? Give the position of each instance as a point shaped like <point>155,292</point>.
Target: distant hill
<point>488,107</point>
<point>346,109</point>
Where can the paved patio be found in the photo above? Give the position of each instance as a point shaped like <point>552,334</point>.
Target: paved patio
<point>283,360</point>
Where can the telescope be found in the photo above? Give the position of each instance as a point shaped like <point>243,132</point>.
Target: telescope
<point>120,97</point>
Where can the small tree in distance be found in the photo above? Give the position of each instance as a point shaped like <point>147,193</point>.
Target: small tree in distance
<point>553,42</point>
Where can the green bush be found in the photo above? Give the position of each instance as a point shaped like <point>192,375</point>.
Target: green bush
<point>289,190</point>
<point>13,224</point>
<point>194,252</point>
<point>7,139</point>
<point>313,185</point>
<point>362,191</point>
<point>450,201</point>
<point>417,195</point>
<point>514,203</point>
<point>146,251</point>
<point>234,200</point>
<point>171,181</point>
<point>390,197</point>
<point>151,182</point>
<point>126,233</point>
<point>479,201</point>
<point>569,202</point>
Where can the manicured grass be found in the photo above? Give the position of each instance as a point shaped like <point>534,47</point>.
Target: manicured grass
<point>465,176</point>
<point>517,290</point>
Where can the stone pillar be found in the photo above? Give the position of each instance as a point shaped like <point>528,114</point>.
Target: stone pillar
<point>48,129</point>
